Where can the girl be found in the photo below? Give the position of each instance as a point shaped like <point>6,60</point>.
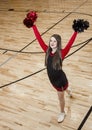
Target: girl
<point>53,61</point>
<point>55,55</point>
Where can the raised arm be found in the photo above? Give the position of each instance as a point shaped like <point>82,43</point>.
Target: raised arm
<point>68,46</point>
<point>29,22</point>
<point>38,37</point>
<point>78,26</point>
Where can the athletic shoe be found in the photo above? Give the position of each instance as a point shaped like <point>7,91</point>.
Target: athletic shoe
<point>61,117</point>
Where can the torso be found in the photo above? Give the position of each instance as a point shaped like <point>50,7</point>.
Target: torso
<point>57,77</point>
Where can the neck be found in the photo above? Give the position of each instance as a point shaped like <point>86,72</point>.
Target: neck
<point>54,50</point>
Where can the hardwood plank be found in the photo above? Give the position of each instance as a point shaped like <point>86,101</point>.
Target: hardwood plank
<point>32,103</point>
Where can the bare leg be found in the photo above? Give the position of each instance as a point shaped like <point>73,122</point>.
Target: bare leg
<point>61,100</point>
<point>62,106</point>
<point>69,92</point>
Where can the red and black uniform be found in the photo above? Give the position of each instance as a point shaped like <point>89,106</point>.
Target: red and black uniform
<point>57,77</point>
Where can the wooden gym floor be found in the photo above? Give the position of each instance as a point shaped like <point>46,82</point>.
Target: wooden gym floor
<point>27,99</point>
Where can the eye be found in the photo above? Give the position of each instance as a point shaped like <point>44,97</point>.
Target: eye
<point>55,41</point>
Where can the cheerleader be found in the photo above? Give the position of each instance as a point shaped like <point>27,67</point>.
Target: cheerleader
<point>54,57</point>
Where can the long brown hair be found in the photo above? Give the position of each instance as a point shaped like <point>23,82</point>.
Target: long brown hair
<point>57,59</point>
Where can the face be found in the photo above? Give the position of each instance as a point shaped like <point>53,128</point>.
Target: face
<point>53,43</point>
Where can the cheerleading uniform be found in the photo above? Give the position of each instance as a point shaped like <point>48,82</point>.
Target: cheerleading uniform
<point>57,77</point>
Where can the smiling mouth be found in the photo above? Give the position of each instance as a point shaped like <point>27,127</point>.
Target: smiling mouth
<point>52,44</point>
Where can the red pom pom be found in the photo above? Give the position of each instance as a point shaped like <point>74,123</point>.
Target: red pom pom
<point>32,16</point>
<point>30,19</point>
<point>28,23</point>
